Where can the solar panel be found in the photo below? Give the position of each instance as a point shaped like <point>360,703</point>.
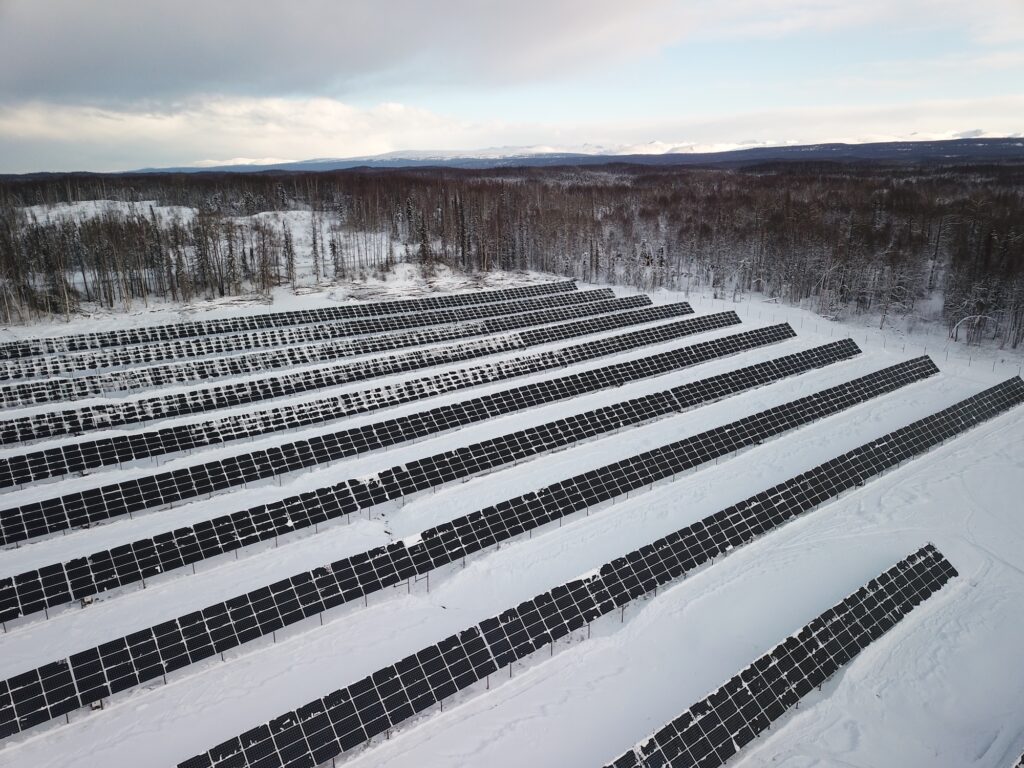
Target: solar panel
<point>230,395</point>
<point>17,349</point>
<point>716,728</point>
<point>203,347</point>
<point>54,390</point>
<point>83,577</point>
<point>515,633</point>
<point>346,718</point>
<point>53,462</point>
<point>161,488</point>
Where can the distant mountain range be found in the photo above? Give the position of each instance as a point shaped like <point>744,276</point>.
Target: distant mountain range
<point>925,152</point>
<point>655,153</point>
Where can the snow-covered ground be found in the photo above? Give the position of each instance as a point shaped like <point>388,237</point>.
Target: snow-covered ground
<point>943,688</point>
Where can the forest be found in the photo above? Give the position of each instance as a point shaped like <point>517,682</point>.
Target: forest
<point>838,238</point>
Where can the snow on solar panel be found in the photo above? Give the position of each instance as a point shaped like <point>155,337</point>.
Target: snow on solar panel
<point>38,465</point>
<point>57,390</point>
<point>95,504</point>
<point>230,395</point>
<point>204,347</point>
<point>12,350</point>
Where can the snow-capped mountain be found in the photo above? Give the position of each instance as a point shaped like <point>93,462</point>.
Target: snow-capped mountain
<point>919,149</point>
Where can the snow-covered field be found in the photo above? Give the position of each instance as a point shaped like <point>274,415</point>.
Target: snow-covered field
<point>944,688</point>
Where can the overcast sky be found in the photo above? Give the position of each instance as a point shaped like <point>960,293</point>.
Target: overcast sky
<point>121,84</point>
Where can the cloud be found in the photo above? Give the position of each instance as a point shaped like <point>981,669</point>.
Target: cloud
<point>92,138</point>
<point>990,22</point>
<point>226,127</point>
<point>108,52</point>
<point>116,50</point>
<point>113,84</point>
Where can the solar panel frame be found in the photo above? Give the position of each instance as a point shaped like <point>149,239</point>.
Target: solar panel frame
<point>144,334</point>
<point>369,337</point>
<point>89,418</point>
<point>213,357</point>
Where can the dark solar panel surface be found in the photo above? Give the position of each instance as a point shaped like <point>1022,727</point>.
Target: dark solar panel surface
<point>707,735</point>
<point>350,716</point>
<point>714,729</point>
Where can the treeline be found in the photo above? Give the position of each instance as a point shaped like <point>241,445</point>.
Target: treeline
<point>116,257</point>
<point>840,239</point>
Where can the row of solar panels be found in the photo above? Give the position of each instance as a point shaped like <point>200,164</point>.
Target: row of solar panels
<point>50,586</point>
<point>61,513</point>
<point>55,390</point>
<point>209,346</point>
<point>714,729</point>
<point>120,664</point>
<point>59,687</point>
<point>122,337</point>
<point>37,465</point>
<point>349,717</point>
<point>89,418</point>
<point>93,675</point>
<point>435,558</point>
